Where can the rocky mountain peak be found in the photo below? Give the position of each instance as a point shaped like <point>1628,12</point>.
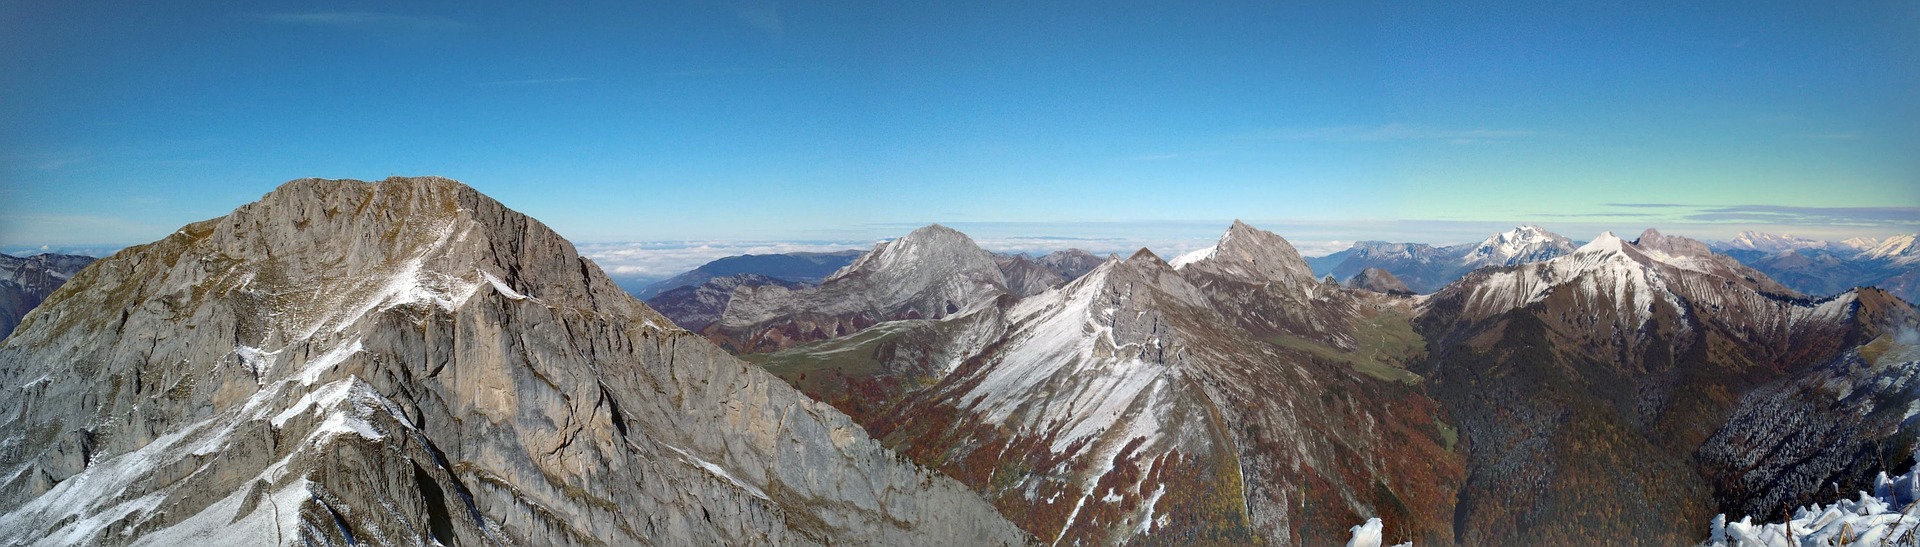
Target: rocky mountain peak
<point>1653,240</point>
<point>1253,254</point>
<point>931,273</point>
<point>929,250</point>
<point>410,362</point>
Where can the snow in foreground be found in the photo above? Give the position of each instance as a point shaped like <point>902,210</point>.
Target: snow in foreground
<point>1888,516</point>
<point>1369,535</point>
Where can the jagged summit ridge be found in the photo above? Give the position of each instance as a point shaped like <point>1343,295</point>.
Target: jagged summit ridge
<point>411,362</point>
<point>1251,253</point>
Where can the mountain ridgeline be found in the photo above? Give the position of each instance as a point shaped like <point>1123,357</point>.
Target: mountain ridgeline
<point>1626,390</point>
<point>1425,268</point>
<point>410,362</point>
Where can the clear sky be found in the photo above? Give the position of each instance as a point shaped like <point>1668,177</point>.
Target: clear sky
<point>848,121</point>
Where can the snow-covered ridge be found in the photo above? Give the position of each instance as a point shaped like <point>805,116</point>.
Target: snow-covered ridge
<point>1887,516</point>
<point>1898,249</point>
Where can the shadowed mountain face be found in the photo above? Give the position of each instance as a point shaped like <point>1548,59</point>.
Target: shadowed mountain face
<point>1588,387</point>
<point>410,362</point>
<point>1125,406</point>
<point>24,282</point>
<point>801,268</point>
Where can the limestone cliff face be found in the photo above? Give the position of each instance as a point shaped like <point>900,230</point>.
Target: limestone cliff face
<point>407,362</point>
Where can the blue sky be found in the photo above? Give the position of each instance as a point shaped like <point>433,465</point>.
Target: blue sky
<point>850,121</point>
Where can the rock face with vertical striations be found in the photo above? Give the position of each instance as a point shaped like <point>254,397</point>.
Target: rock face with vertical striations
<point>24,282</point>
<point>411,362</point>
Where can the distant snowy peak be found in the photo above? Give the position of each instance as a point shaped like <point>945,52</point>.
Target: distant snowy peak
<point>1518,246</point>
<point>1860,243</point>
<point>1253,254</point>
<point>1898,249</point>
<point>1770,243</point>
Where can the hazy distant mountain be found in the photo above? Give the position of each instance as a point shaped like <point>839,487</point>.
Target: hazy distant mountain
<point>1769,243</point>
<point>24,282</point>
<point>412,363</point>
<point>1826,268</point>
<point>807,268</point>
<point>1425,268</point>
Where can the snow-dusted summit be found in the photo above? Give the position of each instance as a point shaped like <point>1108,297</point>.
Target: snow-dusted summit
<point>931,273</point>
<point>1517,246</point>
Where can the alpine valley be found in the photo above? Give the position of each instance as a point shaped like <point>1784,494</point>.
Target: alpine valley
<point>410,362</point>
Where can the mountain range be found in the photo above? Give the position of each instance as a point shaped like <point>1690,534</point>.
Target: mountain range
<point>1825,268</point>
<point>1425,268</point>
<point>411,362</point>
<point>1618,389</point>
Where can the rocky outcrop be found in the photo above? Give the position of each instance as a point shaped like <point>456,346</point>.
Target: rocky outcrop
<point>24,282</point>
<point>410,362</point>
<point>1378,280</point>
<point>1027,276</point>
<point>1257,279</point>
<point>931,273</point>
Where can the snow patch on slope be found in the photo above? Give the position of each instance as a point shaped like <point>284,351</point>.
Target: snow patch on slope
<point>1194,256</point>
